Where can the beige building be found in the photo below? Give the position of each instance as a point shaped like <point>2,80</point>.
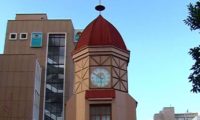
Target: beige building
<point>168,113</point>
<point>51,71</point>
<point>20,79</point>
<point>51,43</point>
<point>101,82</point>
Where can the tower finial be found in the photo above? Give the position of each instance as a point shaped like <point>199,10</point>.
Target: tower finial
<point>100,7</point>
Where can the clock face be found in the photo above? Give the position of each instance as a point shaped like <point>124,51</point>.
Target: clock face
<point>100,77</point>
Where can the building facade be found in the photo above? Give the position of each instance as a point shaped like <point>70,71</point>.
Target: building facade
<point>168,113</point>
<point>51,41</point>
<point>196,118</point>
<point>101,82</point>
<point>20,79</point>
<point>51,71</point>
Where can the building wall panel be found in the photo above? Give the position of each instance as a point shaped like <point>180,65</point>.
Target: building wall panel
<point>33,23</point>
<point>16,89</point>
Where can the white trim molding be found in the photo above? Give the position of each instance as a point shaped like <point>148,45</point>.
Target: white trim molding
<point>10,36</point>
<point>21,36</point>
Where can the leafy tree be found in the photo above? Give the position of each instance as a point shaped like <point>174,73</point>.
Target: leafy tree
<point>193,20</point>
<point>195,75</point>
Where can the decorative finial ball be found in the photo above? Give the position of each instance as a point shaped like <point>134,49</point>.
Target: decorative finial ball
<point>100,8</point>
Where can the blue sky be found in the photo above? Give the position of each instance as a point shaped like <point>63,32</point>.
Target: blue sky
<point>153,31</point>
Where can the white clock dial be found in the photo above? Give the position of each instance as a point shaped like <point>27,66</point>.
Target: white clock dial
<point>100,77</point>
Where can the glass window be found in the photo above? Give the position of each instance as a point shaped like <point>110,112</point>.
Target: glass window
<point>100,112</point>
<point>51,52</point>
<point>62,42</point>
<point>13,36</point>
<point>55,76</point>
<point>23,36</point>
<point>77,34</point>
<point>56,40</point>
<point>61,60</point>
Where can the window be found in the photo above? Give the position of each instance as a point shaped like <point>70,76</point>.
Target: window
<point>36,39</point>
<point>100,112</point>
<point>77,34</point>
<point>55,77</point>
<point>13,36</point>
<point>23,36</point>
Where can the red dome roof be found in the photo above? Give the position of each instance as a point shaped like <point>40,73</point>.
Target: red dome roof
<point>100,32</point>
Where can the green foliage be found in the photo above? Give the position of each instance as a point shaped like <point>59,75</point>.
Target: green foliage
<point>193,20</point>
<point>195,76</point>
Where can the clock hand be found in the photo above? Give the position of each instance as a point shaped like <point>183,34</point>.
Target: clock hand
<point>97,75</point>
<point>102,78</point>
<point>98,78</point>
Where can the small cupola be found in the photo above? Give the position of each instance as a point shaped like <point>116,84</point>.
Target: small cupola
<point>100,33</point>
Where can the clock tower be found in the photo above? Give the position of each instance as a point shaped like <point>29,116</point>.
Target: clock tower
<point>100,82</point>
